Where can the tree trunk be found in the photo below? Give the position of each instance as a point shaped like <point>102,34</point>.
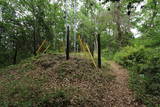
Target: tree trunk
<point>117,20</point>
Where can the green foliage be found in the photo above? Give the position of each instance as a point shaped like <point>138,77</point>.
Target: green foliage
<point>144,62</point>
<point>139,58</point>
<point>57,99</point>
<point>138,84</point>
<point>108,54</point>
<point>26,95</point>
<point>24,25</point>
<point>133,58</point>
<point>18,93</point>
<point>154,86</point>
<point>143,90</point>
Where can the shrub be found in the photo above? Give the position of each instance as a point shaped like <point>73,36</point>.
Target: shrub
<point>134,58</point>
<point>108,54</point>
<point>145,66</point>
<point>154,85</point>
<point>140,59</point>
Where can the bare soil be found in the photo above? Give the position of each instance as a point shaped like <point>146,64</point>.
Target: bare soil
<point>120,95</point>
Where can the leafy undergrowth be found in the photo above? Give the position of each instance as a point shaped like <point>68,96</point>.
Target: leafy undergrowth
<point>50,80</point>
<point>144,64</point>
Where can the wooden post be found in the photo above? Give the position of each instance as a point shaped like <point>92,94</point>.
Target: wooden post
<point>67,43</point>
<point>99,51</point>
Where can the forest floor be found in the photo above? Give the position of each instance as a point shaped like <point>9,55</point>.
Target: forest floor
<point>50,80</point>
<point>120,94</point>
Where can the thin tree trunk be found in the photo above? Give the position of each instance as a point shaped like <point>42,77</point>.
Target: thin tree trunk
<point>15,55</point>
<point>34,40</point>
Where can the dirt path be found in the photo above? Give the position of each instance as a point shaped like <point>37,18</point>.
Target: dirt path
<point>120,94</point>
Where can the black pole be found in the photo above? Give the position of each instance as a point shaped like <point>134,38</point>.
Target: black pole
<point>67,43</point>
<point>99,51</point>
<point>15,55</point>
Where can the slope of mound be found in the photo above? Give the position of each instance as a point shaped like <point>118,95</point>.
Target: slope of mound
<point>50,80</point>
